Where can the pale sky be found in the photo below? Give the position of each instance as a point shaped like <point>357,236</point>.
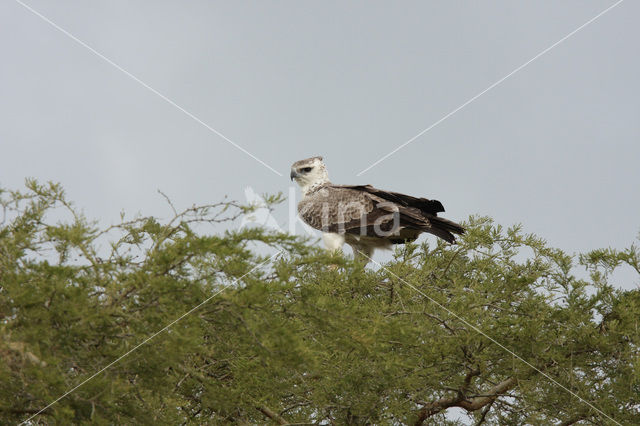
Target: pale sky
<point>555,146</point>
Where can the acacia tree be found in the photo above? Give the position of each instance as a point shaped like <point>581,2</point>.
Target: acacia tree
<point>498,325</point>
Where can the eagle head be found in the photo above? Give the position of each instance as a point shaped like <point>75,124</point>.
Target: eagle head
<point>309,173</point>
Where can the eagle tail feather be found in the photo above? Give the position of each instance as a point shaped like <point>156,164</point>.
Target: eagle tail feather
<point>445,229</point>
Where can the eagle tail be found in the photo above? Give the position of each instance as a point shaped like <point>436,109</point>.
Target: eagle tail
<point>445,229</point>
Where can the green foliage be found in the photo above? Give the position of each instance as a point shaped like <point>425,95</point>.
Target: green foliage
<point>304,337</point>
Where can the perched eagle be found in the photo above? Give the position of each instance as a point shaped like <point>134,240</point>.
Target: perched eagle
<point>362,216</point>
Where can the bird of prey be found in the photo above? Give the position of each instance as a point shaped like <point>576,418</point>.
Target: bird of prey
<point>362,216</point>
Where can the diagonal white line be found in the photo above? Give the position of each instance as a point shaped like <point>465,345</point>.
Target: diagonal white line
<point>142,83</point>
<point>467,323</point>
<point>490,87</point>
<point>151,337</point>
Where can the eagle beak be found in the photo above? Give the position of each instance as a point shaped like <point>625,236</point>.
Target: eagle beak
<point>294,174</point>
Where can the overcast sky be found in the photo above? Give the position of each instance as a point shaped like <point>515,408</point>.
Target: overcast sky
<point>555,146</point>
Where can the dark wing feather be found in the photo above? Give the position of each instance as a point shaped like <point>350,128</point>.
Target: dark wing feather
<point>425,205</point>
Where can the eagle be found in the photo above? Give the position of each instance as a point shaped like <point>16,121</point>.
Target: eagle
<point>362,216</point>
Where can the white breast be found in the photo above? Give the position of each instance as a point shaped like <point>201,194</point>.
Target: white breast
<point>333,241</point>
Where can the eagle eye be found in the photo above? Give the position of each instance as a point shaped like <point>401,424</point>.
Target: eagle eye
<point>306,169</point>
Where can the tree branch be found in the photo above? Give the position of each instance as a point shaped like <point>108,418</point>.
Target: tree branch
<point>483,417</point>
<point>472,404</point>
<point>272,415</point>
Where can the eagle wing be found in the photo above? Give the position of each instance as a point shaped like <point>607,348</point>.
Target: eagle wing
<point>427,206</point>
<point>331,208</point>
<point>368,211</point>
